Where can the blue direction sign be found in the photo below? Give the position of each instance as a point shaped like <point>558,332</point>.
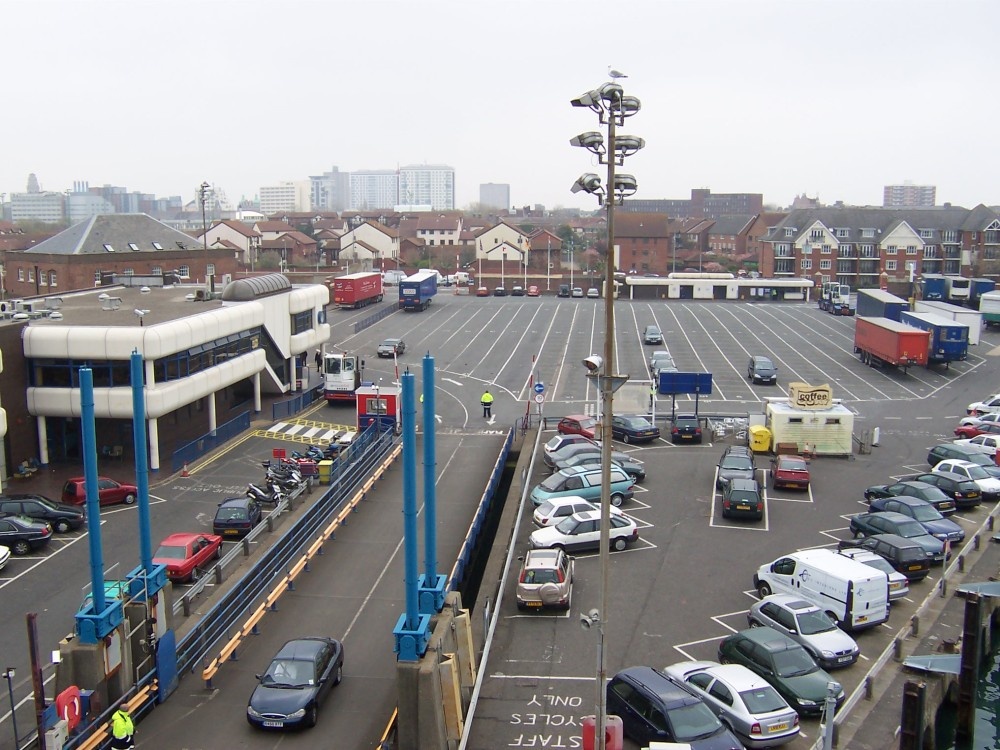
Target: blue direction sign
<point>539,387</point>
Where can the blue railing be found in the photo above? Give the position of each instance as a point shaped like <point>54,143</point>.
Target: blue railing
<point>282,409</point>
<point>208,442</point>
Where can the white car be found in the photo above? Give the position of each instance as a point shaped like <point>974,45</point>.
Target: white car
<point>993,418</point>
<point>809,626</point>
<point>554,510</point>
<point>583,531</point>
<point>4,556</point>
<point>988,485</point>
<point>664,354</point>
<point>983,443</point>
<point>985,406</point>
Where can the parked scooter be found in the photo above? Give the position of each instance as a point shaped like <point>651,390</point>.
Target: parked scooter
<point>271,496</point>
<point>287,480</point>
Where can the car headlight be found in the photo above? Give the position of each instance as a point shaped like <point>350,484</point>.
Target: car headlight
<point>251,711</point>
<point>940,536</point>
<point>827,654</point>
<point>808,704</point>
<point>297,714</point>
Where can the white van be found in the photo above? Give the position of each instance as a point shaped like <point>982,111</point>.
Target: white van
<point>854,594</point>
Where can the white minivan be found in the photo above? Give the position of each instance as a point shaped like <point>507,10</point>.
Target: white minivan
<point>852,593</point>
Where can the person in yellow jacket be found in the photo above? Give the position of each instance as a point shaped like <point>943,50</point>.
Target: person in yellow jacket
<point>122,729</point>
<point>487,401</point>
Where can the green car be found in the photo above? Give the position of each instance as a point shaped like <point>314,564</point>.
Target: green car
<point>785,664</point>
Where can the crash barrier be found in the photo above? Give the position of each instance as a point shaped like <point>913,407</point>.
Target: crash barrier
<point>138,701</point>
<point>188,454</point>
<point>894,651</point>
<point>286,582</point>
<point>375,317</point>
<point>290,406</point>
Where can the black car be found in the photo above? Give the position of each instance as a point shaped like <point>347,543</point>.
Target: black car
<point>499,292</point>
<point>685,429</point>
<point>633,429</point>
<point>762,370</point>
<point>869,524</point>
<point>236,517</point>
<point>958,452</point>
<point>734,465</point>
<point>914,488</point>
<point>962,490</point>
<point>563,290</point>
<point>21,534</point>
<point>296,682</point>
<point>905,556</point>
<point>60,516</point>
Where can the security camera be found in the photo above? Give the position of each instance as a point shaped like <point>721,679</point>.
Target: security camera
<point>594,363</point>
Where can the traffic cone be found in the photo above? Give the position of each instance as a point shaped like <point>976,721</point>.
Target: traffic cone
<point>184,471</point>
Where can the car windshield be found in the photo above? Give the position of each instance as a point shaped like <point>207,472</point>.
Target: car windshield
<point>586,424</point>
<point>736,462</point>
<point>693,722</point>
<point>811,623</point>
<point>289,673</point>
<point>171,552</point>
<point>231,514</point>
<point>793,662</point>
<point>925,513</point>
<point>567,525</point>
<point>636,423</point>
<point>546,508</point>
<point>763,700</point>
<point>792,464</point>
<point>910,529</point>
<point>880,563</point>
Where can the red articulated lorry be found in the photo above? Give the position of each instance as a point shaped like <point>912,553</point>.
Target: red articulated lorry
<point>356,289</point>
<point>880,340</point>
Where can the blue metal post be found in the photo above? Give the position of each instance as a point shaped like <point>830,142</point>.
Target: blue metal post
<point>410,498</point>
<point>93,495</point>
<point>430,491</point>
<point>141,462</point>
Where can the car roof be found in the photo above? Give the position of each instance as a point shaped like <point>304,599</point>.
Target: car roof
<point>235,501</point>
<point>905,499</point>
<point>896,540</point>
<point>791,601</point>
<point>301,648</point>
<point>762,360</point>
<point>667,690</point>
<point>557,502</point>
<point>183,538</point>
<point>891,515</point>
<point>542,558</point>
<point>577,417</point>
<point>952,476</point>
<point>959,462</point>
<point>769,638</point>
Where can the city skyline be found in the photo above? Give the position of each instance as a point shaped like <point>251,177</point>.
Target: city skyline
<point>828,99</point>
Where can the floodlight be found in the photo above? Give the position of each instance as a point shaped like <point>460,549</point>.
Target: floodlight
<point>591,140</point>
<point>628,106</point>
<point>591,99</point>
<point>594,362</point>
<point>626,145</point>
<point>588,183</point>
<point>625,185</point>
<point>611,94</point>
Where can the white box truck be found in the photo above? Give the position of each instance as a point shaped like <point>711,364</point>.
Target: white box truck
<point>852,593</point>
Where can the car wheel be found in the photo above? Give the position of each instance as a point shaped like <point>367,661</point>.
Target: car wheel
<point>339,675</point>
<point>61,526</point>
<point>218,553</point>
<point>129,499</point>
<point>619,544</point>
<point>626,439</point>
<point>20,547</point>
<point>311,716</point>
<point>755,624</point>
<point>855,533</point>
<point>763,590</point>
<point>617,500</point>
<point>522,606</point>
<point>195,575</point>
<point>724,660</point>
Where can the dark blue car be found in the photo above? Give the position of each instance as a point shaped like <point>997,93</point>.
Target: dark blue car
<point>923,513</point>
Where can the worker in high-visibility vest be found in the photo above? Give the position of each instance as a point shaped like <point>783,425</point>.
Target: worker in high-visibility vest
<point>122,729</point>
<point>487,402</point>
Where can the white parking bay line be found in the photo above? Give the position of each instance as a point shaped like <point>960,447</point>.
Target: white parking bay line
<point>40,561</point>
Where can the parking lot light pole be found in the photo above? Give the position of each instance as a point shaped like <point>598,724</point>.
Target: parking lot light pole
<point>9,676</point>
<point>612,107</point>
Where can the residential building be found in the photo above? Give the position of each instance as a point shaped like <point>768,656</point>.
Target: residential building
<point>244,238</point>
<point>909,195</point>
<point>494,195</point>
<point>439,229</point>
<point>643,242</point>
<point>728,235</point>
<point>330,191</point>
<point>285,196</point>
<point>369,245</point>
<point>427,185</point>
<point>373,189</point>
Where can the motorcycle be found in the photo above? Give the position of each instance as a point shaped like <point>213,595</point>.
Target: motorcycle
<point>289,480</point>
<point>272,496</point>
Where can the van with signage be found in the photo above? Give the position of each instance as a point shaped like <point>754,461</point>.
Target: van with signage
<point>852,593</point>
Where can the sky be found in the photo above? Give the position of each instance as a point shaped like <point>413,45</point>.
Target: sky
<point>829,98</point>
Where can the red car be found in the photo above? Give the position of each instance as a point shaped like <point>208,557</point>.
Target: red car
<point>110,492</point>
<point>974,430</point>
<point>533,291</point>
<point>187,555</point>
<point>482,292</point>
<point>577,424</point>
<point>789,471</point>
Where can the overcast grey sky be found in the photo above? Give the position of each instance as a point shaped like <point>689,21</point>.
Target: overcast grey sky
<point>833,98</point>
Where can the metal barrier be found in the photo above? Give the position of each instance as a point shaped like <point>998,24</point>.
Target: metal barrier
<point>208,442</point>
<point>375,317</point>
<point>286,408</point>
<point>139,700</point>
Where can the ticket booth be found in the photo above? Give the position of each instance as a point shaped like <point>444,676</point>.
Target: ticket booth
<point>378,405</point>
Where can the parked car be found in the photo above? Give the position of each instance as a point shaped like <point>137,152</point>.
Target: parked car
<point>584,481</point>
<point>62,517</point>
<point>686,428</point>
<point>652,335</point>
<point>560,441</point>
<point>809,626</point>
<point>583,531</point>
<point>482,292</point>
<point>785,664</point>
<point>187,555</point>
<point>963,491</point>
<point>533,291</point>
<point>555,510</point>
<point>929,493</point>
<point>988,484</point>
<point>745,703</point>
<point>899,585</point>
<point>391,347</point>
<point>579,448</point>
<point>991,418</point>
<point>630,466</point>
<point>987,405</point>
<point>734,465</point>
<point>789,471</point>
<point>985,444</point>
<point>499,292</point>
<point>4,556</point>
<point>577,424</point>
<point>593,293</point>
<point>923,513</point>
<point>563,290</point>
<point>545,580</point>
<point>742,497</point>
<point>973,430</point>
<point>633,429</point>
<point>21,534</point>
<point>869,524</point>
<point>109,491</point>
<point>906,556</point>
<point>236,517</point>
<point>947,451</point>
<point>295,683</point>
<point>517,291</point>
<point>654,708</point>
<point>761,370</point>
<point>577,292</point>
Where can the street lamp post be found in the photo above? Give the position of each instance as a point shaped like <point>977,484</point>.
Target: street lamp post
<point>548,266</point>
<point>9,676</point>
<point>203,196</point>
<point>612,107</point>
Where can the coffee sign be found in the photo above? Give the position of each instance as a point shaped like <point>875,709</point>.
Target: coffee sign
<point>804,396</point>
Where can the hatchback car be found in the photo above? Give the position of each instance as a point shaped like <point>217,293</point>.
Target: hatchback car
<point>499,292</point>
<point>561,441</point>
<point>633,429</point>
<point>586,482</point>
<point>973,430</point>
<point>109,491</point>
<point>630,466</point>
<point>962,491</point>
<point>578,448</point>
<point>62,517</point>
<point>868,524</point>
<point>555,510</point>
<point>742,498</point>
<point>236,517</point>
<point>789,471</point>
<point>593,293</point>
<point>563,290</point>
<point>686,428</point>
<point>545,580</point>
<point>482,292</point>
<point>919,489</point>
<point>583,531</point>
<point>947,451</point>
<point>906,556</point>
<point>577,424</point>
<point>577,292</point>
<point>391,347</point>
<point>988,484</point>
<point>517,291</point>
<point>985,444</point>
<point>744,701</point>
<point>659,354</point>
<point>808,625</point>
<point>785,664</point>
<point>899,585</point>
<point>187,555</point>
<point>652,335</point>
<point>987,405</point>
<point>734,465</point>
<point>533,291</point>
<point>21,534</point>
<point>654,708</point>
<point>991,418</point>
<point>761,370</point>
<point>295,684</point>
<point>923,513</point>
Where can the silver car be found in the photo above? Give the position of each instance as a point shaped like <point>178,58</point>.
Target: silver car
<point>553,458</point>
<point>809,626</point>
<point>546,580</point>
<point>743,701</point>
<point>899,585</point>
